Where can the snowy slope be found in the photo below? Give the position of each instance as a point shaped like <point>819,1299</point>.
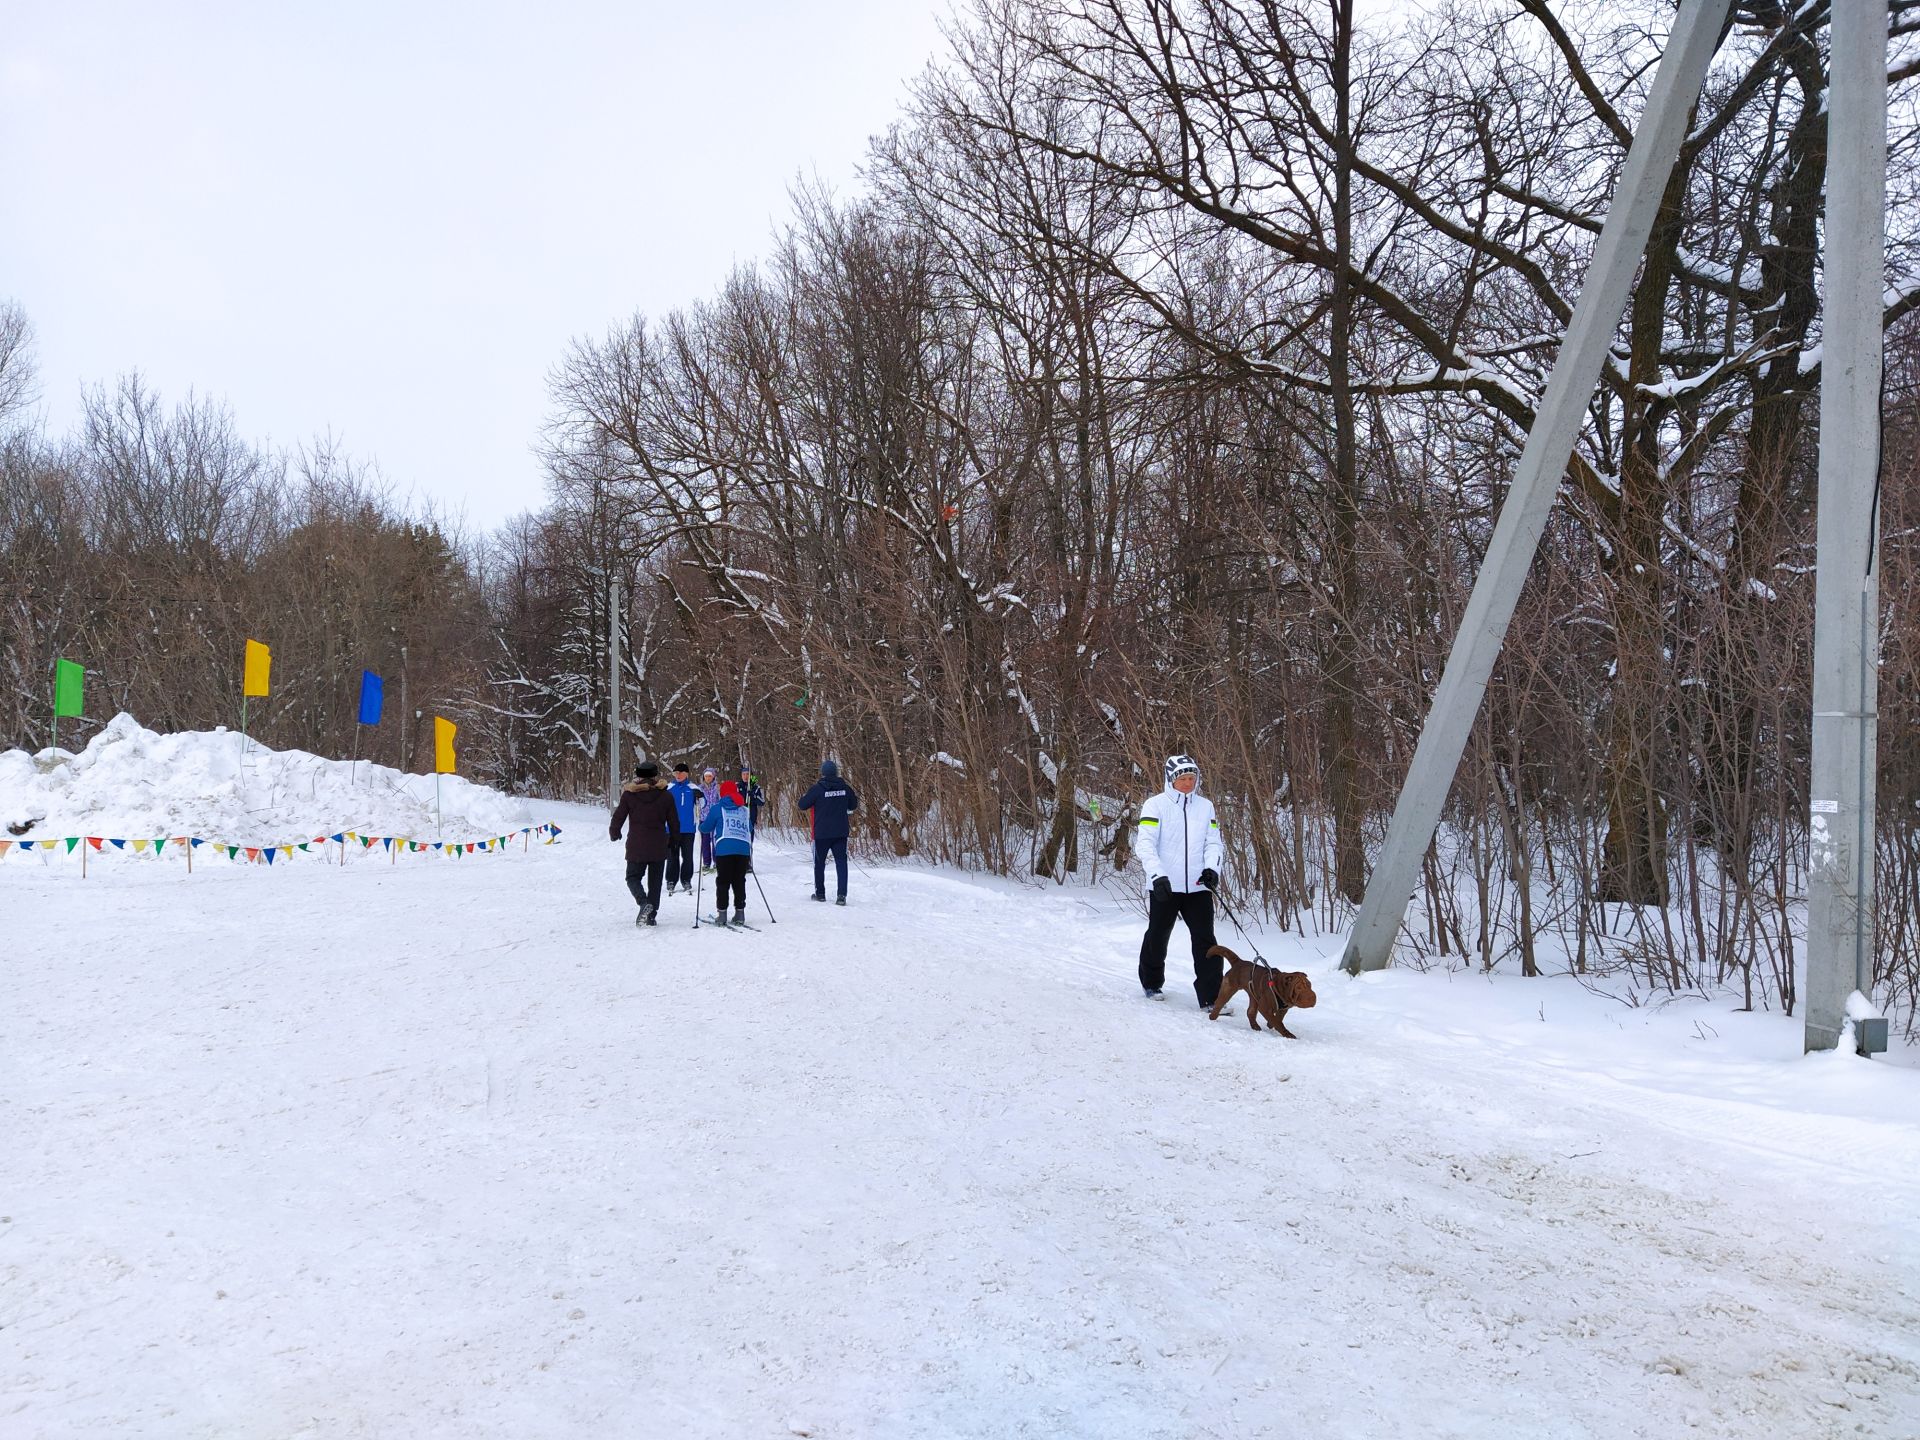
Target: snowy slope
<point>454,1150</point>
<point>130,781</point>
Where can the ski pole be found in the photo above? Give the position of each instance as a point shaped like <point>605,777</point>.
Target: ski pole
<point>763,893</point>
<point>698,880</point>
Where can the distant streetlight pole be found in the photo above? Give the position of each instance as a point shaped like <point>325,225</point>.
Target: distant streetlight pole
<point>404,727</point>
<point>613,689</point>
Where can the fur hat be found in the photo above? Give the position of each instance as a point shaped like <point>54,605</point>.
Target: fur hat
<point>647,770</point>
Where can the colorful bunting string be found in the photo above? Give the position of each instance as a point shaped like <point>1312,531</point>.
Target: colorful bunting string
<point>257,854</point>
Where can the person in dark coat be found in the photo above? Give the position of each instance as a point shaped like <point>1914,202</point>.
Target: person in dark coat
<point>686,802</point>
<point>752,797</point>
<point>647,812</point>
<point>831,801</point>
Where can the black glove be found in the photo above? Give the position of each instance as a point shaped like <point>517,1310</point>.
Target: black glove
<point>1209,879</point>
<point>1163,889</point>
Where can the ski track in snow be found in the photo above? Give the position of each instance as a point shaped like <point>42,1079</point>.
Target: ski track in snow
<point>449,1148</point>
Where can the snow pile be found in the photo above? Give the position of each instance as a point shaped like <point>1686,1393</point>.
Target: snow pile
<point>130,781</point>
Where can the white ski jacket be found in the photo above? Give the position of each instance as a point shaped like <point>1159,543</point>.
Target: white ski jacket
<point>1178,837</point>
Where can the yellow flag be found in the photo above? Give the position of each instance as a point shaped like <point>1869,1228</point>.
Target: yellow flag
<point>259,661</point>
<point>443,745</point>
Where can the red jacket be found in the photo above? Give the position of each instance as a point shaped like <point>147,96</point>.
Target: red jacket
<point>647,810</point>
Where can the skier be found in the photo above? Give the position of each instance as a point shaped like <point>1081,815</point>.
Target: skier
<point>831,800</point>
<point>730,825</point>
<point>686,804</point>
<point>1179,847</point>
<point>709,797</point>
<point>646,810</point>
<point>751,796</point>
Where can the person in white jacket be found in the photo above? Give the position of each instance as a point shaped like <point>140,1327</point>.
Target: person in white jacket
<point>1178,843</point>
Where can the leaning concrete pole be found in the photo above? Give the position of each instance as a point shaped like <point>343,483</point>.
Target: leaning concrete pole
<point>1846,617</point>
<point>1696,33</point>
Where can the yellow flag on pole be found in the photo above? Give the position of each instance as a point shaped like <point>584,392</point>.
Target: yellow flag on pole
<point>259,661</point>
<point>443,730</point>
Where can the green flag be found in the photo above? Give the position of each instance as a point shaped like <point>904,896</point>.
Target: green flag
<point>67,677</point>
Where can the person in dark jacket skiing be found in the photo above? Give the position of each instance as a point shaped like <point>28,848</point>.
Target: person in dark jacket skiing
<point>646,810</point>
<point>752,797</point>
<point>686,806</point>
<point>831,801</point>
<point>730,825</point>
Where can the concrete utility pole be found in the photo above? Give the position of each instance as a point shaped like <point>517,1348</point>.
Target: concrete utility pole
<point>613,689</point>
<point>406,723</point>
<point>1846,620</point>
<point>1523,516</point>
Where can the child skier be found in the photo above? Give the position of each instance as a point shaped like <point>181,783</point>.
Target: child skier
<point>709,797</point>
<point>730,824</point>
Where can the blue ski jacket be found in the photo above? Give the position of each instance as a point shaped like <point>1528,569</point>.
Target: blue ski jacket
<point>686,799</point>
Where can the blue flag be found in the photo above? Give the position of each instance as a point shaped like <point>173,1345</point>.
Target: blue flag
<point>372,692</point>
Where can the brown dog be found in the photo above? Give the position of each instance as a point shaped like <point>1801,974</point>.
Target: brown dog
<point>1270,992</point>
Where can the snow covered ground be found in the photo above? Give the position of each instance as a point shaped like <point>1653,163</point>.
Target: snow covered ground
<point>446,1148</point>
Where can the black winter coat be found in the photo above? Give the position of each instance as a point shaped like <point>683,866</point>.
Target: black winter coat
<point>647,810</point>
<point>832,800</point>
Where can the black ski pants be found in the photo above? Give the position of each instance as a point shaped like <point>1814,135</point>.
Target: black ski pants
<point>643,882</point>
<point>1196,908</point>
<point>838,849</point>
<point>730,872</point>
<point>680,859</point>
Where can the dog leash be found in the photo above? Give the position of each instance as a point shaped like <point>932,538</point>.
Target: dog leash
<point>1258,958</point>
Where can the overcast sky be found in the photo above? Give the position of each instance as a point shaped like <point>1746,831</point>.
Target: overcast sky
<point>387,219</point>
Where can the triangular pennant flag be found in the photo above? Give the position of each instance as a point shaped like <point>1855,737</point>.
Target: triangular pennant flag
<point>253,854</point>
<point>469,849</point>
<point>26,844</point>
<point>351,835</point>
<point>287,851</point>
<point>159,844</point>
<point>436,844</point>
<point>303,846</point>
<point>338,839</point>
<point>95,841</point>
<point>233,851</point>
<point>366,842</point>
<point>194,842</point>
<point>268,854</point>
<point>117,844</point>
<point>386,842</point>
<point>139,847</point>
<point>4,844</point>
